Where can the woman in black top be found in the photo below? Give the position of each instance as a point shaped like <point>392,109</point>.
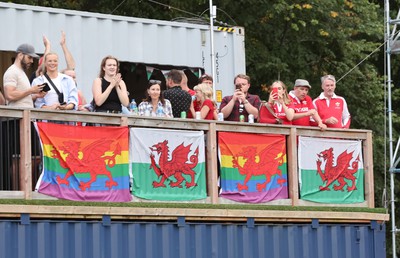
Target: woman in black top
<point>109,90</point>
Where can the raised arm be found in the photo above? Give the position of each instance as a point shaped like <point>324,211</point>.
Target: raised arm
<point>69,59</point>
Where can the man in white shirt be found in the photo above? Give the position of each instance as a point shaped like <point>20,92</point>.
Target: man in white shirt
<point>17,89</point>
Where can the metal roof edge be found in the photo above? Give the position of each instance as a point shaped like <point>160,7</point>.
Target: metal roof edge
<point>104,16</point>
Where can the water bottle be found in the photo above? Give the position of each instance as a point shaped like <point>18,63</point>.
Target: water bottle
<point>133,107</point>
<point>160,111</point>
<point>148,111</point>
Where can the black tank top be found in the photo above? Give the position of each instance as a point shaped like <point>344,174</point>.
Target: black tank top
<point>112,103</point>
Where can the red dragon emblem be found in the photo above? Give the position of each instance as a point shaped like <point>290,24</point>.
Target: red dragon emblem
<point>93,161</point>
<point>340,172</point>
<point>176,167</point>
<point>270,159</point>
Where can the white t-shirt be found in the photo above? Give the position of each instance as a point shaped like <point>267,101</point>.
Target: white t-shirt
<point>52,96</point>
<point>16,77</point>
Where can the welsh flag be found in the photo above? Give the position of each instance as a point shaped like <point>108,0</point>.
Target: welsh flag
<point>330,170</point>
<point>168,165</point>
<point>253,167</point>
<point>84,163</point>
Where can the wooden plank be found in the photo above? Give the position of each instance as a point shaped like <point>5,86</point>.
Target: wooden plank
<point>332,133</point>
<point>202,214</point>
<point>369,171</point>
<point>252,128</point>
<point>293,177</point>
<point>212,164</point>
<point>25,173</point>
<point>5,111</point>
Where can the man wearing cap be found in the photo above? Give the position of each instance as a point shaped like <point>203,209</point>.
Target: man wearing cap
<point>17,89</point>
<point>303,106</point>
<point>241,102</point>
<point>332,108</point>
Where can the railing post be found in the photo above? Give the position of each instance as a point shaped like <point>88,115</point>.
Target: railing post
<point>293,184</point>
<point>369,171</point>
<point>25,175</point>
<point>212,163</point>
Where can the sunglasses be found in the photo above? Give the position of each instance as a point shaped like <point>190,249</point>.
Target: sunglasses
<point>153,82</point>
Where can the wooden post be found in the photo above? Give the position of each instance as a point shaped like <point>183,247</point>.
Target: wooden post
<point>212,164</point>
<point>369,171</point>
<point>25,175</point>
<point>293,184</point>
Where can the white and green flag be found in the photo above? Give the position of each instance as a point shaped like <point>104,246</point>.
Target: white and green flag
<point>168,164</point>
<point>330,170</point>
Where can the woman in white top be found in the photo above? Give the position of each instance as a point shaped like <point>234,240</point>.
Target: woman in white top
<point>64,83</point>
<point>154,102</point>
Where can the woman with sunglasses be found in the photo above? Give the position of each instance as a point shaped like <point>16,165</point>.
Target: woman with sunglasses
<point>278,108</point>
<point>205,103</point>
<point>154,102</point>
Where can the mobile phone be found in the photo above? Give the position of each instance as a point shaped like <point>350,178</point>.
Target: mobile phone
<point>46,87</point>
<point>274,91</point>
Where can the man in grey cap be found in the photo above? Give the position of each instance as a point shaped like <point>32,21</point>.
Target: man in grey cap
<point>303,105</point>
<point>17,89</point>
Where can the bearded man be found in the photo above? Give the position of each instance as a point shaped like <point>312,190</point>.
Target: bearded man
<point>17,89</point>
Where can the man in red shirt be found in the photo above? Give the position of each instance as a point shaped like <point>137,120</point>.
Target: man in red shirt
<point>303,106</point>
<point>332,108</point>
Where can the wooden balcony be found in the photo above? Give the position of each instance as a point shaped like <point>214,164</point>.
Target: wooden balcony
<point>211,128</point>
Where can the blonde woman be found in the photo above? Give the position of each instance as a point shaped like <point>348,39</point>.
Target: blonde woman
<point>206,104</point>
<point>62,93</point>
<point>278,108</point>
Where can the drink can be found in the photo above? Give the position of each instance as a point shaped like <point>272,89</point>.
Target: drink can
<point>198,115</point>
<point>251,118</point>
<point>183,114</point>
<point>220,116</point>
<point>241,118</point>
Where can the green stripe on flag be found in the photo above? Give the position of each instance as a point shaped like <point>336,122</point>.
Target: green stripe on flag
<point>233,174</point>
<point>144,176</point>
<point>311,183</point>
<point>118,170</point>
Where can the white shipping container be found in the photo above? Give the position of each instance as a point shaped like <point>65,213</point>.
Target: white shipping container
<point>136,42</point>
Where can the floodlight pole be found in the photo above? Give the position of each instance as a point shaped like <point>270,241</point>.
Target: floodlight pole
<point>213,15</point>
<point>389,92</point>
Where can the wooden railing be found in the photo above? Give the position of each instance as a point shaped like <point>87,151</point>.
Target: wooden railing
<point>210,128</point>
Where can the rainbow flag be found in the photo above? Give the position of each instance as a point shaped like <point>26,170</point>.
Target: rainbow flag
<point>84,163</point>
<point>253,167</point>
<point>331,170</point>
<point>168,165</point>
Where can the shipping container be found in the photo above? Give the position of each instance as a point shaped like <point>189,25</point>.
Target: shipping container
<point>148,239</point>
<point>143,46</point>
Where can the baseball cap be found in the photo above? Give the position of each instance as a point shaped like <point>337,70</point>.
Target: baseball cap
<point>27,50</point>
<point>301,82</point>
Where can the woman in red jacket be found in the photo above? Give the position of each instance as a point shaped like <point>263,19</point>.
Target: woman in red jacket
<point>277,110</point>
<point>206,103</point>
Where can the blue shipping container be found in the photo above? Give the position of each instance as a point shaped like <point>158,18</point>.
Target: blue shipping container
<point>180,239</point>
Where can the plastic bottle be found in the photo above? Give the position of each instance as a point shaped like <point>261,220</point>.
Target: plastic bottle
<point>160,111</point>
<point>133,107</point>
<point>148,111</point>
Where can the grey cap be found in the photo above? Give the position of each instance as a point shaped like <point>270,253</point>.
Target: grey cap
<point>301,82</point>
<point>27,50</point>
